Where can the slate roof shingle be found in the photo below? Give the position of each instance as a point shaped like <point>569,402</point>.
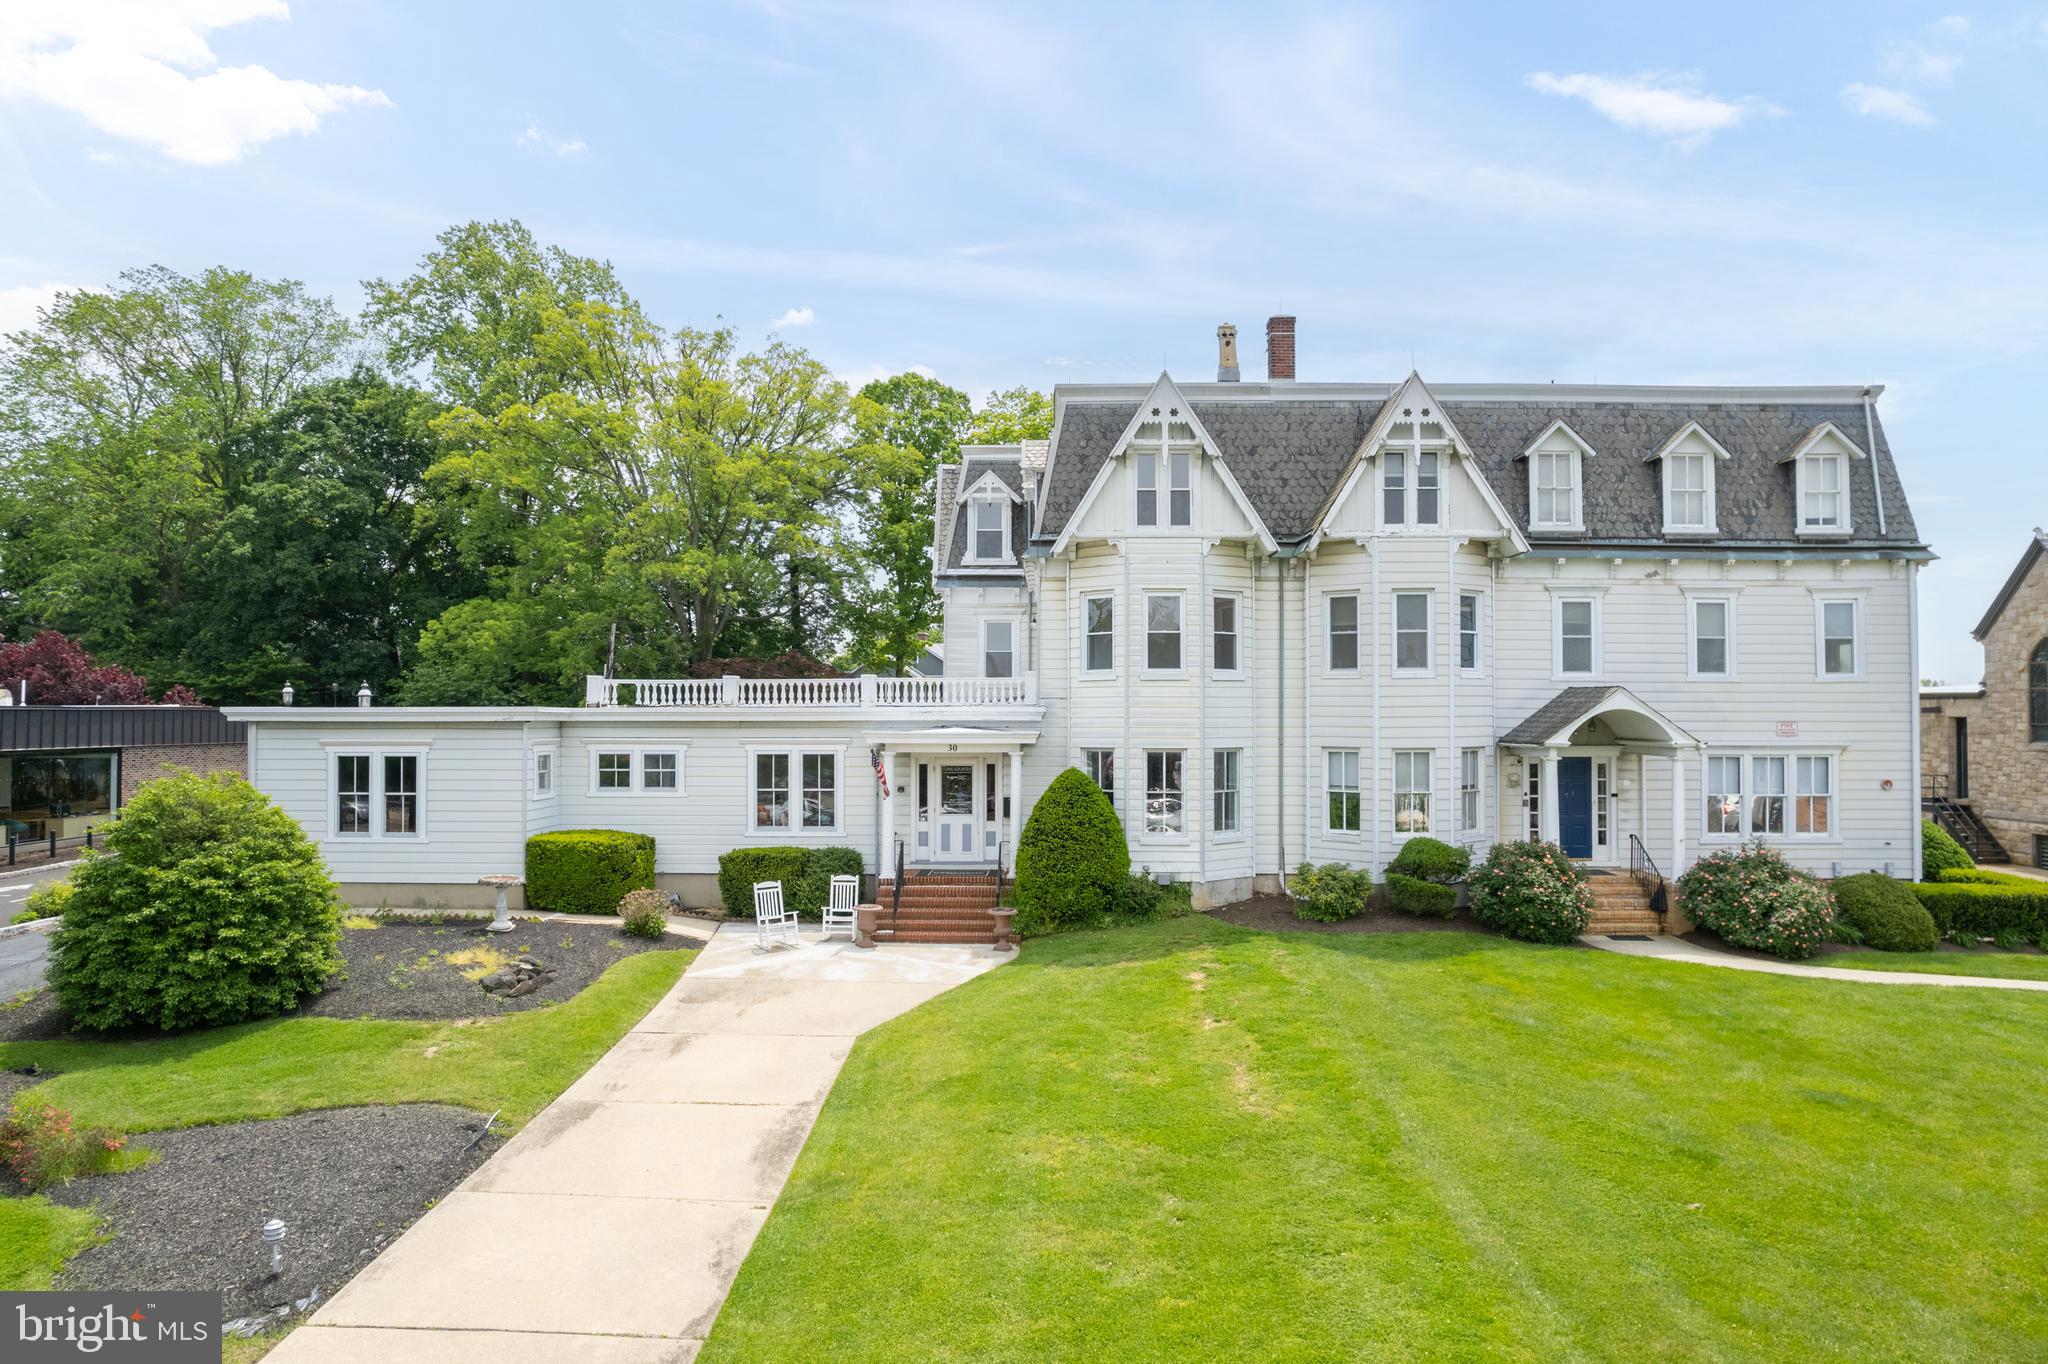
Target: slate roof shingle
<point>1554,714</point>
<point>1011,471</point>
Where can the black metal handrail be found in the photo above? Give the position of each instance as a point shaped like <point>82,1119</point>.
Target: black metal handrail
<point>896,888</point>
<point>1000,845</point>
<point>1644,868</point>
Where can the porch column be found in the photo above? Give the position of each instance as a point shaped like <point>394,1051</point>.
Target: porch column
<point>1016,805</point>
<point>1677,812</point>
<point>885,864</point>
<point>1546,797</point>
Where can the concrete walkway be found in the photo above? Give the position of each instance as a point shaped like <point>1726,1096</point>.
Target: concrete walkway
<point>609,1230</point>
<point>1677,949</point>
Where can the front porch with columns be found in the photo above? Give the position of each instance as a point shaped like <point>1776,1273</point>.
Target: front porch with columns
<point>952,798</point>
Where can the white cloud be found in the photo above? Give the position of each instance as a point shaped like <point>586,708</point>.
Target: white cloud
<point>547,142</point>
<point>142,70</point>
<point>19,306</point>
<point>1919,63</point>
<point>1878,101</point>
<point>795,317</point>
<point>1666,106</point>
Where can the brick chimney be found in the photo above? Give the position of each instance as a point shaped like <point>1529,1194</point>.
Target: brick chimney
<point>1226,353</point>
<point>1280,348</point>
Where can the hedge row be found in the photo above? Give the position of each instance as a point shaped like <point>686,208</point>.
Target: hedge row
<point>1986,910</point>
<point>806,875</point>
<point>586,871</point>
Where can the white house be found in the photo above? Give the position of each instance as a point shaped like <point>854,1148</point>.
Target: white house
<point>1279,622</point>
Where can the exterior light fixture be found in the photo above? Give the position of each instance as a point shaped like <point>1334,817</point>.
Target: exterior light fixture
<point>273,1236</point>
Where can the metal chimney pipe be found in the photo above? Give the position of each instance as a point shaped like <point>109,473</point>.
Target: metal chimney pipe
<point>363,695</point>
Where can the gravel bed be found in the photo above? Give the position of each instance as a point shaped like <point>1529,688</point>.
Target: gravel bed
<point>1275,914</point>
<point>32,1016</point>
<point>344,1181</point>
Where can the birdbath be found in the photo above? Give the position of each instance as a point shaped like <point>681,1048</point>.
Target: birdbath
<point>501,922</point>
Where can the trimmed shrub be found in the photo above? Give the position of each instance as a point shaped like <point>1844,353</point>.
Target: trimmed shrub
<point>1884,913</point>
<point>1143,899</point>
<point>1072,861</point>
<point>1413,895</point>
<point>1939,852</point>
<point>644,913</point>
<point>209,906</point>
<point>41,1145</point>
<point>1531,890</point>
<point>1985,910</point>
<point>586,871</point>
<point>46,901</point>
<point>806,875</point>
<point>1753,898</point>
<point>1984,876</point>
<point>1430,859</point>
<point>1330,893</point>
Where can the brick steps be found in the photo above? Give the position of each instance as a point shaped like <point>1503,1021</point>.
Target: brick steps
<point>937,907</point>
<point>1621,905</point>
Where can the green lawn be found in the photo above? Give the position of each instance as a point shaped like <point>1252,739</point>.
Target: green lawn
<point>517,1062</point>
<point>1193,1141</point>
<point>1985,962</point>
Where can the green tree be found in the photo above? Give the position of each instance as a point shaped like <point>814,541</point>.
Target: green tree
<point>1013,415</point>
<point>904,428</point>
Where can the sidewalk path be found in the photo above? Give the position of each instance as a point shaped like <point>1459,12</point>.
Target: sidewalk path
<point>609,1230</point>
<point>1677,949</point>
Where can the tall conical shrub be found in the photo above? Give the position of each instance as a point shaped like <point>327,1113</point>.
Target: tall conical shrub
<point>1072,861</point>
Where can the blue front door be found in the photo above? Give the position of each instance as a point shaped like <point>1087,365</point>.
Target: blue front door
<point>1575,806</point>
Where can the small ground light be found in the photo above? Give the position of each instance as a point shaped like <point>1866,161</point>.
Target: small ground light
<point>273,1236</point>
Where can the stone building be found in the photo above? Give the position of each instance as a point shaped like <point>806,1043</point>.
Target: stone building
<point>1984,749</point>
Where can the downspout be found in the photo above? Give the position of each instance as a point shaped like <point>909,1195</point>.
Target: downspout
<point>1129,665</point>
<point>1913,708</point>
<point>1247,777</point>
<point>1280,745</point>
<point>1374,865</point>
<point>1204,656</point>
<point>1877,485</point>
<point>1308,711</point>
<point>1457,755</point>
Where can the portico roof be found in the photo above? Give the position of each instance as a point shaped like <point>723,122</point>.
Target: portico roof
<point>1631,719</point>
<point>966,737</point>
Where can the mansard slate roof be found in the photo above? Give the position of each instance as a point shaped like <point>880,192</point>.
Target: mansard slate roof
<point>1010,470</point>
<point>1290,455</point>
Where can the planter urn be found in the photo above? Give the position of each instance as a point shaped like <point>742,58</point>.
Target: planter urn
<point>865,917</point>
<point>1006,935</point>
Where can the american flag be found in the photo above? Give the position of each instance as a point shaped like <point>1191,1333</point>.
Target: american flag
<point>875,756</point>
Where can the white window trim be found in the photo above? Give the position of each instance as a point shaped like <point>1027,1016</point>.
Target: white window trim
<point>1477,829</point>
<point>636,770</point>
<point>1791,752</point>
<point>1187,795</point>
<point>1710,505</point>
<point>1237,619</point>
<point>376,753</point>
<point>1800,467</point>
<point>1478,668</point>
<point>1428,596</point>
<point>1160,511</point>
<point>1692,637</point>
<point>1086,673</point>
<point>795,753</point>
<point>1016,644</point>
<point>1411,488</point>
<point>1358,763</point>
<point>553,754</point>
<point>1116,757</point>
<point>1144,642</point>
<point>1407,489</point>
<point>974,505</point>
<point>1358,633</point>
<point>1821,602</point>
<point>1395,793</point>
<point>1236,835</point>
<point>1558,597</point>
<point>1578,459</point>
<point>1167,490</point>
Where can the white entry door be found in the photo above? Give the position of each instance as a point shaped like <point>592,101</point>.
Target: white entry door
<point>956,836</point>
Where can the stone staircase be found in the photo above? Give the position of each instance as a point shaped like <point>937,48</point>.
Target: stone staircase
<point>938,906</point>
<point>1621,904</point>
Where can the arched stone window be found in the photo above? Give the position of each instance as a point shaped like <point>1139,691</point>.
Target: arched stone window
<point>2037,694</point>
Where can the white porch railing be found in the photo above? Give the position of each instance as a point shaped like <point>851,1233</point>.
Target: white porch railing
<point>846,693</point>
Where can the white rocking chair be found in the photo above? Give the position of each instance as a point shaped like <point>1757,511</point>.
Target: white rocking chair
<point>771,920</point>
<point>839,908</point>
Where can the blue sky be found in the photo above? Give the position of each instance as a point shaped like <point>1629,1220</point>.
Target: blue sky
<point>1048,193</point>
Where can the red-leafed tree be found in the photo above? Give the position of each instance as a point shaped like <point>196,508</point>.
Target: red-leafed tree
<point>59,672</point>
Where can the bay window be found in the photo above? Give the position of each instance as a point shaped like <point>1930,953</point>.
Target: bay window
<point>1345,812</point>
<point>1412,632</point>
<point>1163,793</point>
<point>1098,649</point>
<point>1223,791</point>
<point>1412,789</point>
<point>1223,633</point>
<point>1468,790</point>
<point>1162,633</point>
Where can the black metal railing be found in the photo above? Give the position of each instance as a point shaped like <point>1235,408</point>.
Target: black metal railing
<point>999,873</point>
<point>48,848</point>
<point>896,888</point>
<point>1644,868</point>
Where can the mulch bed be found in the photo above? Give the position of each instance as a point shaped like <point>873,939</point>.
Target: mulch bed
<point>1275,914</point>
<point>401,970</point>
<point>344,1181</point>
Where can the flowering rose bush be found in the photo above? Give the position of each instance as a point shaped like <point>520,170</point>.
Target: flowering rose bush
<point>40,1145</point>
<point>1751,897</point>
<point>1531,891</point>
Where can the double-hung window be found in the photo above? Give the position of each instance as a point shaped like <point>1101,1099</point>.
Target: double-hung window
<point>797,791</point>
<point>1786,795</point>
<point>1840,643</point>
<point>1578,636</point>
<point>1813,795</point>
<point>1163,793</point>
<point>1821,492</point>
<point>1468,632</point>
<point>1713,637</point>
<point>378,795</point>
<point>1346,811</point>
<point>1555,489</point>
<point>1180,489</point>
<point>543,773</point>
<point>1412,651</point>
<point>1724,795</point>
<point>1412,790</point>
<point>1099,644</point>
<point>1162,633</point>
<point>1685,492</point>
<point>1767,794</point>
<point>1343,634</point>
<point>1145,477</point>
<point>991,529</point>
<point>1223,791</point>
<point>1468,790</point>
<point>1428,488</point>
<point>820,790</point>
<point>1394,487</point>
<point>1100,764</point>
<point>1223,633</point>
<point>998,648</point>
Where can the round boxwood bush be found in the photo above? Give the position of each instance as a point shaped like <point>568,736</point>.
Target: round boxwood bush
<point>1413,895</point>
<point>644,913</point>
<point>1430,859</point>
<point>1330,893</point>
<point>1886,913</point>
<point>1751,897</point>
<point>1072,860</point>
<point>209,906</point>
<point>1939,852</point>
<point>586,871</point>
<point>1531,890</point>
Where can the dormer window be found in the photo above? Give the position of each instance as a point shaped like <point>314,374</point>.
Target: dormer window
<point>1821,461</point>
<point>1404,503</point>
<point>1557,479</point>
<point>1180,485</point>
<point>1689,459</point>
<point>991,530</point>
